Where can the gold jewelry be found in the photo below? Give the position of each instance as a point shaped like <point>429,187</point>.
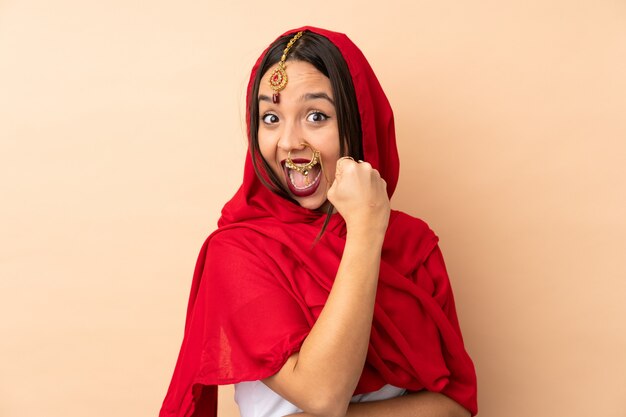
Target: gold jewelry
<point>304,169</point>
<point>278,79</point>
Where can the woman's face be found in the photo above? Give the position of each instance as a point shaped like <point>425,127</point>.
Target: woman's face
<point>305,114</point>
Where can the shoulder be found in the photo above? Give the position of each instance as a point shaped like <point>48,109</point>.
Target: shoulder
<point>233,249</point>
<point>409,237</point>
<point>237,255</point>
<point>226,237</point>
<point>244,244</point>
<point>237,239</point>
<point>403,225</point>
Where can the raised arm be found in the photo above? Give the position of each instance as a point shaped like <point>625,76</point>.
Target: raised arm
<point>321,378</point>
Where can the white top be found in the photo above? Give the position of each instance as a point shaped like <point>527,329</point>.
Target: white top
<point>255,399</point>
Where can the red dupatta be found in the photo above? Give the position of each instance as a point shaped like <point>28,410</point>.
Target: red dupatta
<point>260,284</point>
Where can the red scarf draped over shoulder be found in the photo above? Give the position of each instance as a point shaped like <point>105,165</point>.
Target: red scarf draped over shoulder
<point>260,284</point>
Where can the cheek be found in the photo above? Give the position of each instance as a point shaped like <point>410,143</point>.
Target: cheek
<point>329,168</point>
<point>330,153</point>
<point>329,158</point>
<point>266,147</point>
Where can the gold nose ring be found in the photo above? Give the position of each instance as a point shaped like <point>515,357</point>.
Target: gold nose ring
<point>304,168</point>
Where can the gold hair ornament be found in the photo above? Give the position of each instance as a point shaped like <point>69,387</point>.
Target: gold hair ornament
<point>278,79</point>
<point>304,169</point>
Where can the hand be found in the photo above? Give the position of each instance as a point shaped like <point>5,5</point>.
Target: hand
<point>360,195</point>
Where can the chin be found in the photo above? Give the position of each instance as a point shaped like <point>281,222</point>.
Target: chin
<point>316,201</point>
<point>313,202</point>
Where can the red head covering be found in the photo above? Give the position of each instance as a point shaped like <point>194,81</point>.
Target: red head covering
<point>250,309</point>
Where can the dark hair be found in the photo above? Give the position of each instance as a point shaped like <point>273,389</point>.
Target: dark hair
<point>318,51</point>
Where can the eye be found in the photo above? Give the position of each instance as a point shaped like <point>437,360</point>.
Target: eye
<point>269,118</point>
<point>316,116</point>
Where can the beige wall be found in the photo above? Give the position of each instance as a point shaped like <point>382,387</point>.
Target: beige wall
<point>121,138</point>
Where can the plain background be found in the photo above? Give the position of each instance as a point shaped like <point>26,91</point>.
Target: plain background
<point>121,138</point>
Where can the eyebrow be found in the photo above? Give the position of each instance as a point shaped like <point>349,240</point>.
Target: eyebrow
<point>317,96</point>
<point>305,97</point>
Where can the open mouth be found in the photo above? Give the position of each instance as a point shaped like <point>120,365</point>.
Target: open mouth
<point>302,184</point>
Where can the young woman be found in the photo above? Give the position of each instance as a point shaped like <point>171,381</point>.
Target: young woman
<point>313,297</point>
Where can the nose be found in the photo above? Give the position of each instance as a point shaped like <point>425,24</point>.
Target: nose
<point>290,138</point>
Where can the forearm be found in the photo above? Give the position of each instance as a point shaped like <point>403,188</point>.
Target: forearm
<point>321,377</point>
<point>421,404</point>
<point>334,352</point>
<point>325,372</point>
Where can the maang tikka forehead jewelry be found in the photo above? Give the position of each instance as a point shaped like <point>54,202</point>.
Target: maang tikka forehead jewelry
<point>278,79</point>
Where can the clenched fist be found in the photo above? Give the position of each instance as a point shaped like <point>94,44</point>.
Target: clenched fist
<point>360,195</point>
